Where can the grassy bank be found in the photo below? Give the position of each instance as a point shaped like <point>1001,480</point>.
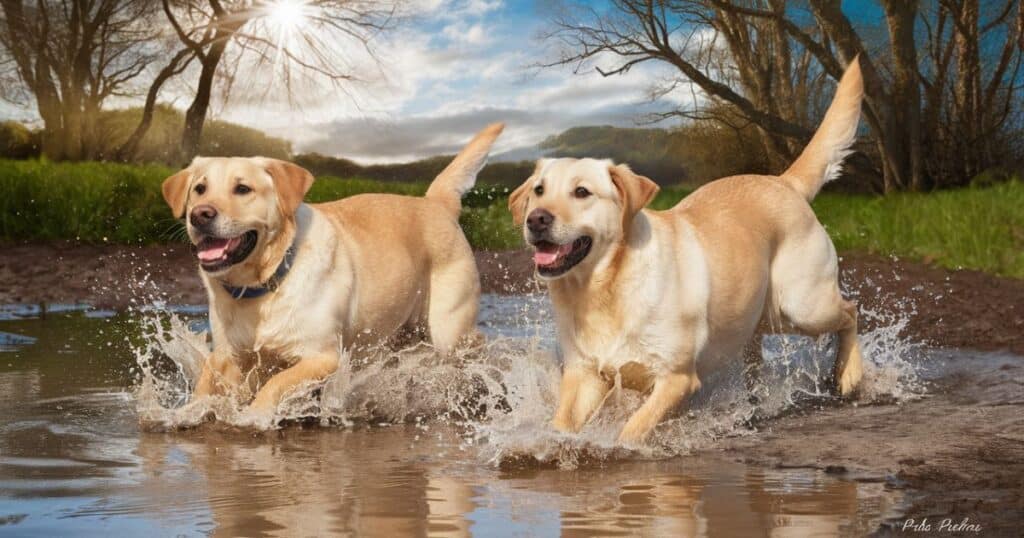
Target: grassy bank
<point>979,228</point>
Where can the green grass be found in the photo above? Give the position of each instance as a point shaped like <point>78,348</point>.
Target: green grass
<point>95,202</point>
<point>977,228</point>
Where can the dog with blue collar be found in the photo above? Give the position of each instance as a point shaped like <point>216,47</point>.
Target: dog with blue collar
<point>293,286</point>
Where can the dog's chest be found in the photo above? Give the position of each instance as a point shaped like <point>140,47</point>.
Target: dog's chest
<point>274,329</point>
<point>610,343</point>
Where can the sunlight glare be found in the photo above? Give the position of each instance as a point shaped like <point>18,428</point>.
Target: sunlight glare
<point>286,18</point>
<point>288,15</point>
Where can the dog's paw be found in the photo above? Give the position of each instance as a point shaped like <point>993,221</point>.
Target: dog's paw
<point>632,437</point>
<point>256,418</point>
<point>850,378</point>
<point>561,425</point>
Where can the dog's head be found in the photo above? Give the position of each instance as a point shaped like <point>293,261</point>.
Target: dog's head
<point>235,207</point>
<point>573,210</point>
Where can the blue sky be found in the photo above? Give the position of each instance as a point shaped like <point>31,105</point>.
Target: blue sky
<point>455,65</point>
<point>449,69</point>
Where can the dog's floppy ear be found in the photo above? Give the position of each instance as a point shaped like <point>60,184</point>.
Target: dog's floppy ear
<point>175,189</point>
<point>634,190</point>
<point>517,200</point>
<point>291,182</point>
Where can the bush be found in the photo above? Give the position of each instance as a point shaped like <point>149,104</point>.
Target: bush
<point>162,140</point>
<point>18,141</point>
<point>95,202</point>
<point>424,170</point>
<point>978,228</point>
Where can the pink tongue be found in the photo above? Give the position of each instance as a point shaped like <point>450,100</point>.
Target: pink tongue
<point>542,257</point>
<point>215,249</point>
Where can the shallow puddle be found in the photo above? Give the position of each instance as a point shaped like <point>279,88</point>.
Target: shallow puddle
<point>74,459</point>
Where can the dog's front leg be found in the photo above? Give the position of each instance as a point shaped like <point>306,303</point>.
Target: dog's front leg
<point>581,393</point>
<point>669,390</point>
<point>220,375</point>
<point>313,368</point>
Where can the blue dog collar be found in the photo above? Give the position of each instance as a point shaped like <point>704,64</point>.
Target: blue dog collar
<point>252,292</point>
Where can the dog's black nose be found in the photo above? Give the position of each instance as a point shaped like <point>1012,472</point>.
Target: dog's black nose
<point>202,215</point>
<point>539,221</point>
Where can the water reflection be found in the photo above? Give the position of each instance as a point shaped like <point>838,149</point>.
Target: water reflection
<point>73,460</point>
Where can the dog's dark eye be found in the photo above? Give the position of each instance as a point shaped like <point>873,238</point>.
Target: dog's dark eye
<point>200,188</point>
<point>581,192</point>
<point>539,190</point>
<point>242,189</point>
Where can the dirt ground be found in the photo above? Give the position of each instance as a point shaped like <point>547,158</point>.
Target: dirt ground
<point>962,309</point>
<point>959,451</point>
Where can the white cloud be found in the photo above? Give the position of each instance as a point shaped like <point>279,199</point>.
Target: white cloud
<point>461,33</point>
<point>458,65</point>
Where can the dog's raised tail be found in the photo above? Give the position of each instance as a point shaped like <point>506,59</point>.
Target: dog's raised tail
<point>460,175</point>
<point>822,159</point>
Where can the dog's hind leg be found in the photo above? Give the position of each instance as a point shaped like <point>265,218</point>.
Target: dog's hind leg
<point>826,312</point>
<point>454,303</point>
<point>849,368</point>
<point>805,277</point>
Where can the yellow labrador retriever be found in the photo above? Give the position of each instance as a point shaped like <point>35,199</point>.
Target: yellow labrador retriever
<point>288,282</point>
<point>663,297</point>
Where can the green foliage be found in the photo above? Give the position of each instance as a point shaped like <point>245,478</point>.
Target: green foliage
<point>95,202</point>
<point>503,173</point>
<point>491,227</point>
<point>160,145</point>
<point>326,189</point>
<point>650,152</point>
<point>224,139</point>
<point>18,141</point>
<point>978,228</point>
<point>975,228</point>
<point>694,153</point>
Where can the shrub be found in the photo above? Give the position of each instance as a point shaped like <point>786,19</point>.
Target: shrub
<point>17,141</point>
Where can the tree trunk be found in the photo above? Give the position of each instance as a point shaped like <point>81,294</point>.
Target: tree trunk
<point>904,118</point>
<point>967,98</point>
<point>195,117</point>
<point>126,152</point>
<point>877,100</point>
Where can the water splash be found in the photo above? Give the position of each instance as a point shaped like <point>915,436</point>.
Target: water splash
<point>501,394</point>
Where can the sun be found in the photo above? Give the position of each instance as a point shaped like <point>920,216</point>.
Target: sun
<point>287,16</point>
<point>285,20</point>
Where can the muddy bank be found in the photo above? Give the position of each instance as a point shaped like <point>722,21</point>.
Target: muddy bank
<point>958,451</point>
<point>113,276</point>
<point>962,309</point>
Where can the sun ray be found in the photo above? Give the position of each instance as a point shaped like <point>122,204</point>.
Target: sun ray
<point>286,18</point>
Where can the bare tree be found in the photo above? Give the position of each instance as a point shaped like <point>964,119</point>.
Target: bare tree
<point>317,47</point>
<point>178,63</point>
<point>69,57</point>
<point>766,59</point>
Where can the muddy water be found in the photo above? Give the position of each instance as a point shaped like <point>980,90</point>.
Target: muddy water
<point>93,441</point>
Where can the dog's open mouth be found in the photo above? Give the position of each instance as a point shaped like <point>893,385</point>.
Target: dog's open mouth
<point>553,259</point>
<point>216,253</point>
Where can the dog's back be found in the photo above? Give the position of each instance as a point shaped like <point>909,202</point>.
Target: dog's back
<point>411,265</point>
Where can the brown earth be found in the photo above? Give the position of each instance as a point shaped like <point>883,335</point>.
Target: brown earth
<point>958,452</point>
<point>961,309</point>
